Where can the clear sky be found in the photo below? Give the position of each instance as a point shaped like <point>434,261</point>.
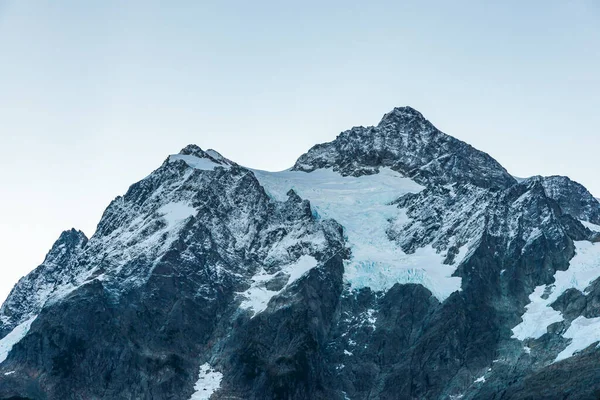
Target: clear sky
<point>95,94</point>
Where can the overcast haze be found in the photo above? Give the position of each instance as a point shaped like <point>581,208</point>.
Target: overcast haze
<point>95,95</point>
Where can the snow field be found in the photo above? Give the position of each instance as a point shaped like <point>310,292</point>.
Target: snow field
<point>362,206</point>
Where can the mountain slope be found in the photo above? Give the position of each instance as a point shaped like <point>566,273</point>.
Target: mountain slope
<point>394,262</point>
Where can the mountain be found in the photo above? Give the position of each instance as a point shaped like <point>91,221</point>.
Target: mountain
<point>395,262</point>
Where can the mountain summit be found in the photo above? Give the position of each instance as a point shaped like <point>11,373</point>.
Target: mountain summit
<point>408,143</point>
<point>395,262</point>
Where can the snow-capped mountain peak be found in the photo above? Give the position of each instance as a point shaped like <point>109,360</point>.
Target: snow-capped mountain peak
<point>393,262</point>
<point>406,142</point>
<point>403,116</point>
<point>197,158</point>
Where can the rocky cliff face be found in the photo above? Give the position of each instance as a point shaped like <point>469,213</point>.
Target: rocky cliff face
<point>406,142</point>
<point>395,262</point>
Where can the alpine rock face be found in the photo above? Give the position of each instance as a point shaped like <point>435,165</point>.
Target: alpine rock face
<point>395,262</point>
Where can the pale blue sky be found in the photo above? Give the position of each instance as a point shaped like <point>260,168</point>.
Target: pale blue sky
<point>95,94</point>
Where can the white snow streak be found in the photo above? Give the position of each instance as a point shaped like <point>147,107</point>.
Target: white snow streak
<point>8,341</point>
<point>258,296</point>
<point>583,269</point>
<point>590,226</point>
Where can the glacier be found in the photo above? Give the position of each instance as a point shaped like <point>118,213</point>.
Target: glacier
<point>363,206</point>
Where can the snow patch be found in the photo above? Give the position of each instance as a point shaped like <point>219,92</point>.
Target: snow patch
<point>583,269</point>
<point>583,332</point>
<point>362,205</point>
<point>538,316</point>
<point>14,337</point>
<point>175,213</point>
<point>215,154</point>
<point>257,297</point>
<point>9,373</point>
<point>481,379</point>
<point>590,226</point>
<point>209,381</point>
<point>204,164</point>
